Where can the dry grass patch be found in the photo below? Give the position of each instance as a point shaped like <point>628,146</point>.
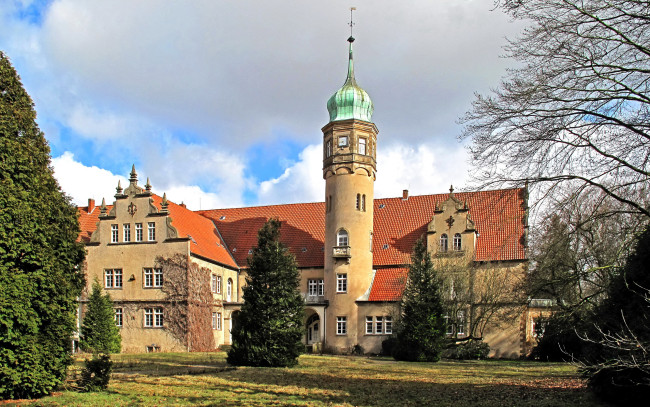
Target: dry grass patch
<point>204,379</point>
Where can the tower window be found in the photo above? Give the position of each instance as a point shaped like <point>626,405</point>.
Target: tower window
<point>342,238</point>
<point>328,149</point>
<point>362,146</point>
<point>444,242</point>
<point>341,283</point>
<point>458,245</point>
<point>358,205</point>
<point>343,141</point>
<point>363,202</point>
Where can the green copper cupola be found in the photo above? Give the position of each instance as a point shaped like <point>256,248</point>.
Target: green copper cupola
<point>350,102</point>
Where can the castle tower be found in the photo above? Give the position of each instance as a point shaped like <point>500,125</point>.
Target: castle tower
<point>349,170</point>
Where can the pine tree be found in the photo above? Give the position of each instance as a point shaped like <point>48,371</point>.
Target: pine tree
<point>420,333</point>
<point>99,334</point>
<point>270,326</point>
<point>40,273</point>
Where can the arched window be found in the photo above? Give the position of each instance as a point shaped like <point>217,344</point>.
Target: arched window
<point>229,290</point>
<point>458,245</point>
<point>444,242</point>
<point>342,238</point>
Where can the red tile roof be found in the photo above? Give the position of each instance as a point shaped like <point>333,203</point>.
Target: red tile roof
<point>388,284</point>
<point>498,216</point>
<point>302,230</point>
<point>88,222</point>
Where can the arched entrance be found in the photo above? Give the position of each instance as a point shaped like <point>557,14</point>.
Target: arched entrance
<point>314,327</point>
<point>234,321</point>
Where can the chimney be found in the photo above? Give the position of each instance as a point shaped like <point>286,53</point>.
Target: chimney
<point>91,205</point>
<point>405,194</point>
<point>183,205</point>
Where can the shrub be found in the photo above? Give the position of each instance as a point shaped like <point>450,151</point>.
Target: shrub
<point>96,374</point>
<point>473,349</point>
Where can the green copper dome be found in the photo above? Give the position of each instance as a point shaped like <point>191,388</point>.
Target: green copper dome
<point>350,102</point>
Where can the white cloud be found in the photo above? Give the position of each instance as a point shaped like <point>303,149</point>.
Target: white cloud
<point>82,182</point>
<point>300,182</point>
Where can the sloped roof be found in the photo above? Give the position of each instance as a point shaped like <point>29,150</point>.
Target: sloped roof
<point>302,230</point>
<point>388,284</point>
<point>88,222</point>
<point>498,216</point>
<point>205,240</point>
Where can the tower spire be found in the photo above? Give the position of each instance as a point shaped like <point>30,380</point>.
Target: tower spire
<point>351,23</point>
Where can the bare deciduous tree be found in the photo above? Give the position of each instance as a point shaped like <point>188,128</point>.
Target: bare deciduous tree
<point>577,108</point>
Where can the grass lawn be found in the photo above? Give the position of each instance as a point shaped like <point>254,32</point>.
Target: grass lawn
<point>205,379</point>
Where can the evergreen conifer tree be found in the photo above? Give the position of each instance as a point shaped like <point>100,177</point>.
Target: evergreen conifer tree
<point>99,334</point>
<point>40,273</point>
<point>270,325</point>
<point>420,333</point>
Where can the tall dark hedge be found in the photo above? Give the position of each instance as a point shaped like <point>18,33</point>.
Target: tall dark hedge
<point>99,334</point>
<point>420,333</point>
<point>269,328</point>
<point>40,260</point>
<point>618,367</point>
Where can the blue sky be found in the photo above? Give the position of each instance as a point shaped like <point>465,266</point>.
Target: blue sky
<point>221,103</point>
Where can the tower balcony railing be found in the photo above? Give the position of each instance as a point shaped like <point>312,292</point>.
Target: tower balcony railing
<point>341,251</point>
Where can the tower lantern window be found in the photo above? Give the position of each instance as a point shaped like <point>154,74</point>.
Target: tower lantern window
<point>362,146</point>
<point>343,141</point>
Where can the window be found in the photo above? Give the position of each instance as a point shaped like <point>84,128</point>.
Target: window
<point>443,242</point>
<point>371,241</point>
<point>343,141</point>
<point>457,242</point>
<point>218,321</point>
<point>341,325</point>
<point>118,317</point>
<point>379,325</point>
<point>358,204</point>
<point>153,278</point>
<point>362,146</point>
<point>138,232</point>
<point>127,232</point>
<point>113,278</point>
<point>151,231</point>
<point>213,283</point>
<point>450,326</point>
<point>229,290</point>
<point>214,320</point>
<point>218,284</point>
<point>369,325</point>
<point>342,238</point>
<point>157,277</point>
<point>315,288</point>
<point>114,233</point>
<point>363,202</point>
<point>153,317</point>
<point>460,323</point>
<point>341,283</point>
<point>388,325</point>
<point>328,149</point>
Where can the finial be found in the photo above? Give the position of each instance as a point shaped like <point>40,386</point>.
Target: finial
<point>148,185</point>
<point>451,190</point>
<point>351,24</point>
<point>133,176</point>
<point>103,208</point>
<point>119,187</point>
<point>164,199</point>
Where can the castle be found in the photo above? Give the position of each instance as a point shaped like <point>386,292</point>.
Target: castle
<point>352,252</point>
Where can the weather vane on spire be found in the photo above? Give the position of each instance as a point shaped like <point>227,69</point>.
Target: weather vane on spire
<point>351,24</point>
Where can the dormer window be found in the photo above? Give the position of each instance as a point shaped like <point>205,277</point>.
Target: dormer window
<point>444,242</point>
<point>458,245</point>
<point>343,141</point>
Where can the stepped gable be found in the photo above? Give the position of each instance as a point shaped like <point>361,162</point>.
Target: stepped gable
<point>88,221</point>
<point>205,239</point>
<point>302,230</point>
<point>498,217</point>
